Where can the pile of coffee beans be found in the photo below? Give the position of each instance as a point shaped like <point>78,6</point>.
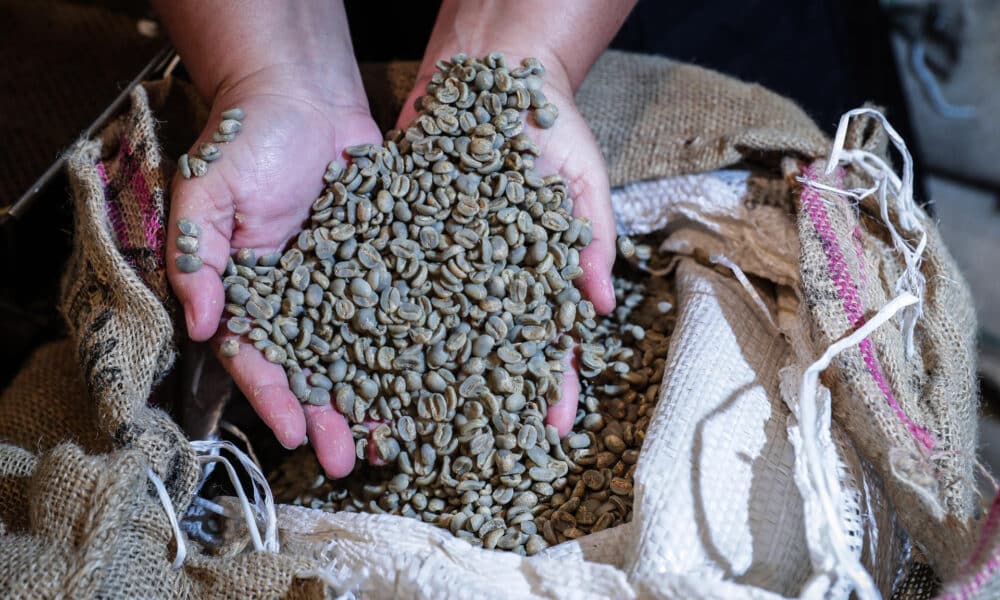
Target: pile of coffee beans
<point>430,299</point>
<point>593,467</point>
<point>436,271</point>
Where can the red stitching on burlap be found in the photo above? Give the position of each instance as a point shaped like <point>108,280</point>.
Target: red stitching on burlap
<point>114,210</point>
<point>970,588</point>
<point>848,291</point>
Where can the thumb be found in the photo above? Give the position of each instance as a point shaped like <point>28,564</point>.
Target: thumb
<point>592,201</point>
<point>198,236</point>
<point>570,149</point>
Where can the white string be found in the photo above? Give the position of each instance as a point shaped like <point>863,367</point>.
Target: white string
<point>209,468</point>
<point>886,184</point>
<point>238,433</point>
<point>244,503</point>
<point>264,506</point>
<point>813,425</point>
<point>720,259</point>
<point>209,455</point>
<point>856,193</point>
<point>211,507</point>
<point>168,507</point>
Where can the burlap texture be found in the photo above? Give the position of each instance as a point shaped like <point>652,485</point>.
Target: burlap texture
<point>50,372</point>
<point>884,398</point>
<point>978,576</point>
<point>16,466</point>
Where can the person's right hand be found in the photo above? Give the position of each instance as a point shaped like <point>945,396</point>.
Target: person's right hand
<point>304,104</point>
<point>567,40</point>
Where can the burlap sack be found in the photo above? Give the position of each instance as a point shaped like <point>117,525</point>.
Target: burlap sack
<point>104,532</point>
<point>80,516</point>
<point>913,417</point>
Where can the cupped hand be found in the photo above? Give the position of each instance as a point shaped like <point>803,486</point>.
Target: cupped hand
<point>569,149</point>
<point>257,195</point>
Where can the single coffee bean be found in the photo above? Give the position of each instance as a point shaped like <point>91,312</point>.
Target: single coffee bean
<point>187,244</point>
<point>199,167</point>
<point>235,113</point>
<point>184,167</point>
<point>545,117</point>
<point>228,126</point>
<point>209,152</point>
<point>230,348</point>
<point>188,227</point>
<point>187,263</point>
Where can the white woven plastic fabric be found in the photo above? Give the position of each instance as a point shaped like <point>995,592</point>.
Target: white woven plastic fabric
<point>718,510</point>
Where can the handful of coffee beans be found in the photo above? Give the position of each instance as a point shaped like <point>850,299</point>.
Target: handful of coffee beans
<point>430,299</point>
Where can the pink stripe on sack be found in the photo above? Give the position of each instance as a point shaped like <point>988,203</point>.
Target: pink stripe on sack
<point>970,588</point>
<point>152,227</point>
<point>113,210</point>
<point>848,291</point>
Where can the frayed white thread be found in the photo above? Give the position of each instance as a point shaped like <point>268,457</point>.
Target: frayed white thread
<point>263,505</point>
<point>812,424</point>
<point>209,468</point>
<point>168,507</point>
<point>912,281</point>
<point>720,259</point>
<point>211,507</point>
<point>857,194</point>
<point>238,433</point>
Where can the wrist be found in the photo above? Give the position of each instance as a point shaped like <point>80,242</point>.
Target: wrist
<point>239,44</point>
<point>316,84</point>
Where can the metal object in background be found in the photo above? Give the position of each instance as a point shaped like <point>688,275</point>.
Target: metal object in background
<point>160,62</point>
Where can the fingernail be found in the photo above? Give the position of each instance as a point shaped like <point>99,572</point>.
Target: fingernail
<point>286,434</point>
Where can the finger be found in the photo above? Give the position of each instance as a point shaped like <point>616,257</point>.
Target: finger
<point>592,201</point>
<point>200,292</point>
<point>562,414</point>
<point>202,201</point>
<point>331,439</point>
<point>570,149</point>
<point>266,387</point>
